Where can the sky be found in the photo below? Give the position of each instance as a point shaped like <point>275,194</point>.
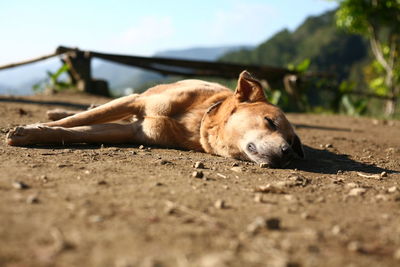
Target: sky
<point>33,28</point>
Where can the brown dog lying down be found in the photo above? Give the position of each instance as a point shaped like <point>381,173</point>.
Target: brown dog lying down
<point>189,114</point>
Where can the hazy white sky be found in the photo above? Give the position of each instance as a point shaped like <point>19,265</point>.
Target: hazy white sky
<point>30,28</point>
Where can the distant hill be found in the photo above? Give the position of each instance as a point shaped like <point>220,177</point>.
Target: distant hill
<point>201,53</point>
<point>317,39</point>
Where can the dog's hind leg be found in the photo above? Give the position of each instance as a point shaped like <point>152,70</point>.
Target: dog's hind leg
<point>114,110</point>
<point>110,133</point>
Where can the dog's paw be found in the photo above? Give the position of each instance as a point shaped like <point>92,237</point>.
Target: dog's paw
<point>57,114</point>
<point>23,135</point>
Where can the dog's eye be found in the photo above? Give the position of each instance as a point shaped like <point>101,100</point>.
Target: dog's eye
<point>271,123</point>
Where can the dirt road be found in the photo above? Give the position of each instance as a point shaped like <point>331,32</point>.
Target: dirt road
<point>138,206</point>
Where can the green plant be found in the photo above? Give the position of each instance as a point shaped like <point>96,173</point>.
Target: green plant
<point>379,21</point>
<point>53,82</point>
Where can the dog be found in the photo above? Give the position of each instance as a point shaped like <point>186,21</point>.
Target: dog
<point>189,114</point>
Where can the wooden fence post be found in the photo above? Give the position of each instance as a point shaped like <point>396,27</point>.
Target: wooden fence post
<point>80,72</point>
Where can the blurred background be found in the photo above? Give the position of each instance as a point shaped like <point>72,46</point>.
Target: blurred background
<point>344,52</point>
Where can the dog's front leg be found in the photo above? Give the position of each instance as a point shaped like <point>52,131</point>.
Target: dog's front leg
<point>110,133</point>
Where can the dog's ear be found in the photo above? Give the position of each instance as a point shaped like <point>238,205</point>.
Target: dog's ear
<point>249,89</point>
<point>297,146</point>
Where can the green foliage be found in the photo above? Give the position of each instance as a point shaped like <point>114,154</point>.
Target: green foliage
<point>302,67</point>
<point>53,82</point>
<point>354,107</point>
<point>379,21</point>
<point>359,16</point>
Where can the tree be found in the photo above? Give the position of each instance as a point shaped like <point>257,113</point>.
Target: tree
<point>379,21</point>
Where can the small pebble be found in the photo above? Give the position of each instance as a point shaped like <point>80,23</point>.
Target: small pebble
<point>62,165</point>
<point>392,189</point>
<point>220,204</point>
<point>305,216</point>
<point>102,182</point>
<point>256,225</point>
<point>164,162</point>
<point>96,219</point>
<point>299,180</point>
<point>273,224</point>
<point>263,165</point>
<point>383,174</point>
<point>336,230</point>
<point>381,197</point>
<point>351,185</point>
<point>141,147</point>
<point>237,169</point>
<point>354,246</point>
<point>357,191</point>
<point>198,165</point>
<point>197,174</point>
<point>258,198</point>
<point>33,199</point>
<point>396,254</point>
<point>20,185</point>
<point>43,178</point>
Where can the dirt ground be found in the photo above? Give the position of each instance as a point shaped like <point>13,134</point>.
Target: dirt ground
<point>138,206</point>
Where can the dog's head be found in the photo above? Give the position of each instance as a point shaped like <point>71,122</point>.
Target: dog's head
<point>246,126</point>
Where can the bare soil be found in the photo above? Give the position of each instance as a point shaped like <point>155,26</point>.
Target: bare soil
<point>137,206</point>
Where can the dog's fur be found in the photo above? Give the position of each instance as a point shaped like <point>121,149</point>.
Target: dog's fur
<point>190,114</point>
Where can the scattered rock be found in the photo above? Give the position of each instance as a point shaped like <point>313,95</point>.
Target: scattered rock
<point>197,174</point>
<point>198,165</point>
<point>274,224</point>
<point>352,185</point>
<point>258,198</point>
<point>396,254</point>
<point>392,189</point>
<point>354,246</point>
<point>220,204</point>
<point>43,178</point>
<point>357,192</point>
<point>222,259</point>
<point>235,164</point>
<point>336,229</point>
<point>20,185</point>
<point>158,184</point>
<point>96,219</point>
<point>60,165</point>
<point>299,180</point>
<point>381,197</point>
<point>305,216</point>
<point>141,147</point>
<point>237,169</point>
<point>256,225</point>
<point>383,174</point>
<point>102,182</point>
<point>262,223</point>
<point>263,165</point>
<point>32,199</point>
<point>165,162</point>
<point>269,188</point>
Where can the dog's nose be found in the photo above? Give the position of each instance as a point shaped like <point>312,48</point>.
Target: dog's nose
<point>286,149</point>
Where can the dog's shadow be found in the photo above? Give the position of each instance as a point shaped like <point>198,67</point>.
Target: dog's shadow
<point>327,162</point>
